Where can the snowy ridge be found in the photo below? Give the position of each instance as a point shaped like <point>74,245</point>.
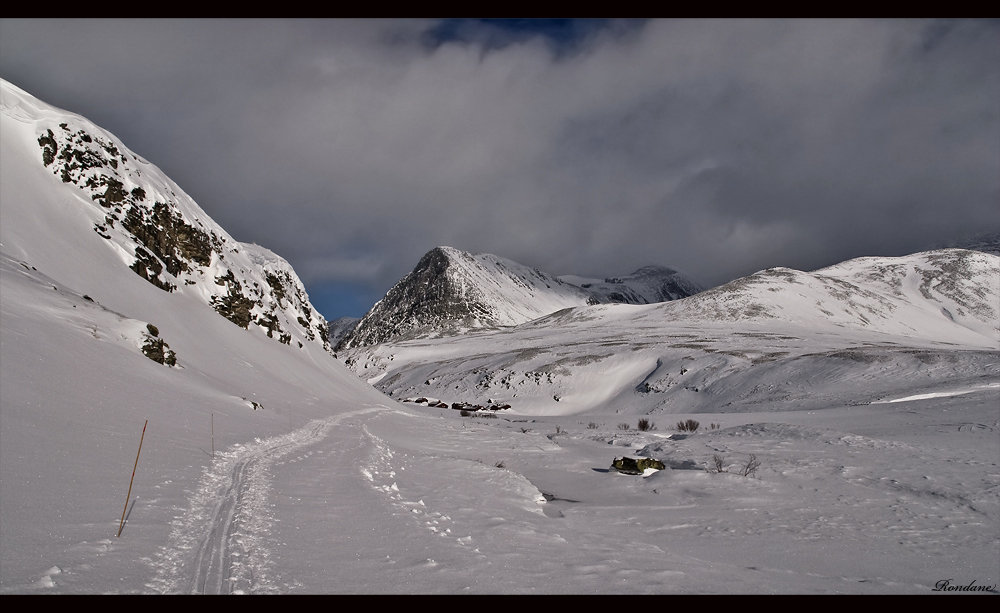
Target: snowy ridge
<point>451,292</point>
<point>739,344</point>
<point>148,222</point>
<point>946,295</point>
<point>647,285</point>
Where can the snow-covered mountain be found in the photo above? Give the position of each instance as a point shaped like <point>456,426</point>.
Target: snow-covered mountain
<point>269,467</point>
<point>147,222</point>
<point>950,295</point>
<point>341,327</point>
<point>734,337</point>
<point>451,292</point>
<point>647,285</point>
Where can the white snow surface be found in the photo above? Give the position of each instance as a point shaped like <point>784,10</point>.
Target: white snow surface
<point>780,334</point>
<point>60,209</point>
<point>322,484</point>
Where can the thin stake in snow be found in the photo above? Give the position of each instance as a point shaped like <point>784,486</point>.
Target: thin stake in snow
<point>127,498</point>
<point>213,436</point>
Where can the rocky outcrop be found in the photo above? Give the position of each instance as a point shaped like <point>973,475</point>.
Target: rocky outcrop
<point>633,466</point>
<point>156,349</point>
<point>174,245</point>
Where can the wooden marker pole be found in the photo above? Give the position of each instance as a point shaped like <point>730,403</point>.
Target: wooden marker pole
<point>127,498</point>
<point>213,436</point>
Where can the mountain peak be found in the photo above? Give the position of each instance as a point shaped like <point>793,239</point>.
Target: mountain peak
<point>451,291</point>
<point>653,269</point>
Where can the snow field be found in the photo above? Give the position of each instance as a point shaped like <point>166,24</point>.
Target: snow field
<point>830,510</point>
<point>876,424</point>
<point>672,367</point>
<point>879,498</point>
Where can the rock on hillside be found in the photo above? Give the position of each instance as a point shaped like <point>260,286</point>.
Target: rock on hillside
<point>156,229</point>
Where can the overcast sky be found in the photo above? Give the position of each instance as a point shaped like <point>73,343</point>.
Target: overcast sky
<point>592,148</point>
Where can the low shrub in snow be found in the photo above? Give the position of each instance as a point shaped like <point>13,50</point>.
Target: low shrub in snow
<point>688,426</point>
<point>750,470</point>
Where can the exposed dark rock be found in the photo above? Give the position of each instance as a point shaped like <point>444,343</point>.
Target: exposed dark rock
<point>308,329</point>
<point>49,147</point>
<point>269,321</point>
<point>157,350</point>
<point>235,307</point>
<point>164,233</point>
<point>633,466</point>
<point>277,287</point>
<point>148,267</point>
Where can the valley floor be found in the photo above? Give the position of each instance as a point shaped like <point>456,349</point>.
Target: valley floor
<point>881,498</point>
<point>897,504</point>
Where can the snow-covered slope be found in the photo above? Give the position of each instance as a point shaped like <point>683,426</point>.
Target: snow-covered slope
<point>451,291</point>
<point>720,347</point>
<point>92,345</point>
<point>267,467</point>
<point>950,295</point>
<point>84,177</point>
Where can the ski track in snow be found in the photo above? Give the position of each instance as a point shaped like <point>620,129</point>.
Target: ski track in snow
<point>219,545</point>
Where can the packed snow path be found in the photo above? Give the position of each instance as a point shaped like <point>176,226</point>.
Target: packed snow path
<point>229,519</point>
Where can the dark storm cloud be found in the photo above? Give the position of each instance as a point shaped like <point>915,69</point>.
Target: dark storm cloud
<point>720,148</point>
